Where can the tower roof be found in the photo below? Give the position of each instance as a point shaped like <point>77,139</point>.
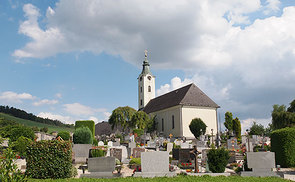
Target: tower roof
<point>189,95</point>
<point>145,65</point>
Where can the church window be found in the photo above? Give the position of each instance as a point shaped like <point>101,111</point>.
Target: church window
<point>140,89</point>
<point>162,124</point>
<point>149,89</point>
<point>140,78</point>
<point>141,102</point>
<point>172,121</point>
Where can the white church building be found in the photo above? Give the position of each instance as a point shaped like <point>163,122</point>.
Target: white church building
<point>175,110</point>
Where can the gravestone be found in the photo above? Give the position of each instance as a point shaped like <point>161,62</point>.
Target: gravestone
<point>177,142</point>
<point>81,152</point>
<point>261,164</point>
<point>244,139</point>
<point>154,164</point>
<point>116,152</point>
<point>169,147</point>
<point>117,142</point>
<point>184,145</point>
<point>100,143</point>
<point>110,144</point>
<point>100,167</point>
<point>137,152</point>
<point>151,144</point>
<point>249,146</point>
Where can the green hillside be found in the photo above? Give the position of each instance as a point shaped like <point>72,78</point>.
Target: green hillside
<point>33,123</point>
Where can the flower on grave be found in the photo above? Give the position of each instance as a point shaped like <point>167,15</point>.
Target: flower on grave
<point>190,164</point>
<point>187,164</point>
<point>131,156</point>
<point>238,150</point>
<point>182,164</point>
<point>141,144</point>
<point>265,144</point>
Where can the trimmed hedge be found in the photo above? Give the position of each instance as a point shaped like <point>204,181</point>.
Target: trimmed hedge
<point>283,144</point>
<point>49,159</point>
<point>82,135</point>
<point>217,160</point>
<point>88,123</point>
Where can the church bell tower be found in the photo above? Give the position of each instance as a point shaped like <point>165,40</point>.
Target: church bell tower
<point>146,84</point>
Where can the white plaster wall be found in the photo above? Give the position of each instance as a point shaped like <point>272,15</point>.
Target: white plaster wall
<point>145,96</point>
<point>166,114</point>
<point>208,115</point>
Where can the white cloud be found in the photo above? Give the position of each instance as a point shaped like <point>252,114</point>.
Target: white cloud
<point>65,119</point>
<point>272,6</point>
<point>247,123</point>
<point>93,119</point>
<point>58,95</point>
<point>45,102</point>
<point>78,109</point>
<point>15,97</point>
<point>245,70</point>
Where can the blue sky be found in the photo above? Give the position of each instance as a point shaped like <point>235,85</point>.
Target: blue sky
<point>71,60</point>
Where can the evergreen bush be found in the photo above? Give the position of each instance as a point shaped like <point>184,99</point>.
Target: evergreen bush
<point>65,135</point>
<point>139,132</point>
<point>21,131</point>
<point>217,160</point>
<point>283,144</point>
<point>49,159</point>
<point>98,153</point>
<point>82,135</point>
<point>21,144</point>
<point>197,127</point>
<point>86,123</point>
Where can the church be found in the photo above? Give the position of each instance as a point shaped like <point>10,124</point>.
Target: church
<point>175,110</point>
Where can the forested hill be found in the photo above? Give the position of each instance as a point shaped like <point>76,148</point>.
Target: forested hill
<point>29,116</point>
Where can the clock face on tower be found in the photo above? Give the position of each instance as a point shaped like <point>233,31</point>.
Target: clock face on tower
<point>149,77</point>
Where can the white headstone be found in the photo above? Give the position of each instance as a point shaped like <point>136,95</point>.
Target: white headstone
<point>100,143</point>
<point>184,145</point>
<point>169,147</point>
<point>110,144</point>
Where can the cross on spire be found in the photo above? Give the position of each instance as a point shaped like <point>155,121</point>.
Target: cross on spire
<point>145,53</point>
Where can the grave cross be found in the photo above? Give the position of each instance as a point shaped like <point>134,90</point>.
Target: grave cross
<point>196,153</point>
<point>170,135</point>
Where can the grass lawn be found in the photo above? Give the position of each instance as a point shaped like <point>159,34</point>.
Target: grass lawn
<point>175,179</point>
<point>33,123</point>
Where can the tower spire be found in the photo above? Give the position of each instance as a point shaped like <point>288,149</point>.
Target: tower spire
<point>146,64</point>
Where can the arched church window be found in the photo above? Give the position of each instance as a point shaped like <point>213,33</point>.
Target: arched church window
<point>141,102</point>
<point>140,78</point>
<point>140,89</point>
<point>149,89</point>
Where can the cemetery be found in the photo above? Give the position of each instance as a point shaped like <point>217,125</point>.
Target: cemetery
<point>149,156</point>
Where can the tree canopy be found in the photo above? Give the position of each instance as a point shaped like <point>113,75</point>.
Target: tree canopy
<point>228,121</point>
<point>281,117</point>
<point>140,120</point>
<point>237,127</point>
<point>256,129</point>
<point>122,116</point>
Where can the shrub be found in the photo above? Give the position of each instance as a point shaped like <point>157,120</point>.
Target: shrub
<point>135,161</point>
<point>8,170</point>
<point>45,129</point>
<point>95,142</point>
<point>87,123</point>
<point>20,145</point>
<point>82,135</point>
<point>139,132</point>
<point>283,144</point>
<point>49,159</point>
<point>197,127</point>
<point>217,160</point>
<point>65,135</point>
<point>21,131</point>
<point>98,153</point>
